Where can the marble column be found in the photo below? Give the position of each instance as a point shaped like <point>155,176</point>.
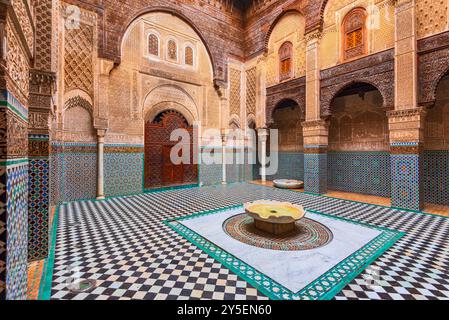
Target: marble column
<point>101,122</point>
<point>223,156</point>
<point>263,137</point>
<point>100,168</point>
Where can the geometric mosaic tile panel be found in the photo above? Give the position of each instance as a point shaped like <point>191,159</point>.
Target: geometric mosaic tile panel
<point>315,173</point>
<point>136,256</point>
<point>123,173</point>
<point>360,172</point>
<point>38,205</point>
<point>74,173</point>
<point>407,182</point>
<point>290,166</point>
<point>210,174</point>
<point>13,229</point>
<point>436,177</point>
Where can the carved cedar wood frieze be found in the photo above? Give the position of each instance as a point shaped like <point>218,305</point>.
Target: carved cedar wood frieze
<point>433,65</point>
<point>376,69</point>
<point>291,90</point>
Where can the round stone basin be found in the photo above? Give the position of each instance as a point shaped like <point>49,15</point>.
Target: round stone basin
<point>274,217</point>
<point>288,184</point>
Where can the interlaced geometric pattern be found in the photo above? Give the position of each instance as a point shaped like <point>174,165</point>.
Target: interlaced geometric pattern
<point>251,91</point>
<point>125,246</point>
<point>43,37</point>
<point>78,57</point>
<point>235,77</point>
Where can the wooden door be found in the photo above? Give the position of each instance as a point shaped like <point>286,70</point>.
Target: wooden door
<point>159,169</point>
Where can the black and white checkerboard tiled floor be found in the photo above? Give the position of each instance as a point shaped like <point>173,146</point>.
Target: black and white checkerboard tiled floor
<point>123,244</point>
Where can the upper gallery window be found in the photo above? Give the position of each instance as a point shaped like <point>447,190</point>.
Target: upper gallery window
<point>188,56</point>
<point>153,45</point>
<point>354,34</point>
<point>172,50</point>
<point>285,61</point>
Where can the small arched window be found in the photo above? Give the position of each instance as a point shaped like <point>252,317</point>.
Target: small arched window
<point>188,56</point>
<point>153,45</point>
<point>285,61</point>
<point>354,34</point>
<point>172,50</point>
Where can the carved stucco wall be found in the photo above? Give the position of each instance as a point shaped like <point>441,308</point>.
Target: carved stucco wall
<point>143,82</point>
<point>289,28</point>
<point>288,121</point>
<point>432,17</point>
<point>380,34</point>
<point>76,76</point>
<point>358,124</point>
<point>437,120</point>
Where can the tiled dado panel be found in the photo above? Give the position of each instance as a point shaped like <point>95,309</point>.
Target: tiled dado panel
<point>360,172</point>
<point>436,177</point>
<point>38,208</point>
<point>123,170</point>
<point>74,172</point>
<point>406,181</point>
<point>290,166</point>
<point>315,173</point>
<point>13,229</point>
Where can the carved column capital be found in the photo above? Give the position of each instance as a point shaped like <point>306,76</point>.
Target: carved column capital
<point>106,67</point>
<point>101,124</point>
<point>313,36</point>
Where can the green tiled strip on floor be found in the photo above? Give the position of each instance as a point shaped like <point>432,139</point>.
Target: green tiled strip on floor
<point>47,275</point>
<point>323,288</point>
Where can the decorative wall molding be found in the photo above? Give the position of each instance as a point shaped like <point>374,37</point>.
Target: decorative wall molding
<point>376,70</point>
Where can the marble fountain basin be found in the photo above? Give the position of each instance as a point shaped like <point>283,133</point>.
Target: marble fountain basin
<point>274,217</point>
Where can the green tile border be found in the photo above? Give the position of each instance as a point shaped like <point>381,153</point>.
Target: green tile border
<point>323,288</point>
<point>47,274</point>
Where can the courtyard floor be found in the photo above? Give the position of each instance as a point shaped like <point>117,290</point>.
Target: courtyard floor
<point>125,246</point>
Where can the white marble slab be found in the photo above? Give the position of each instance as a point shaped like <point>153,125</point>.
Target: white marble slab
<point>292,269</point>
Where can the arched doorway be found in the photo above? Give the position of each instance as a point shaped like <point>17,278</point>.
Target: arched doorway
<point>160,171</point>
<point>436,145</point>
<point>287,118</point>
<point>358,157</point>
